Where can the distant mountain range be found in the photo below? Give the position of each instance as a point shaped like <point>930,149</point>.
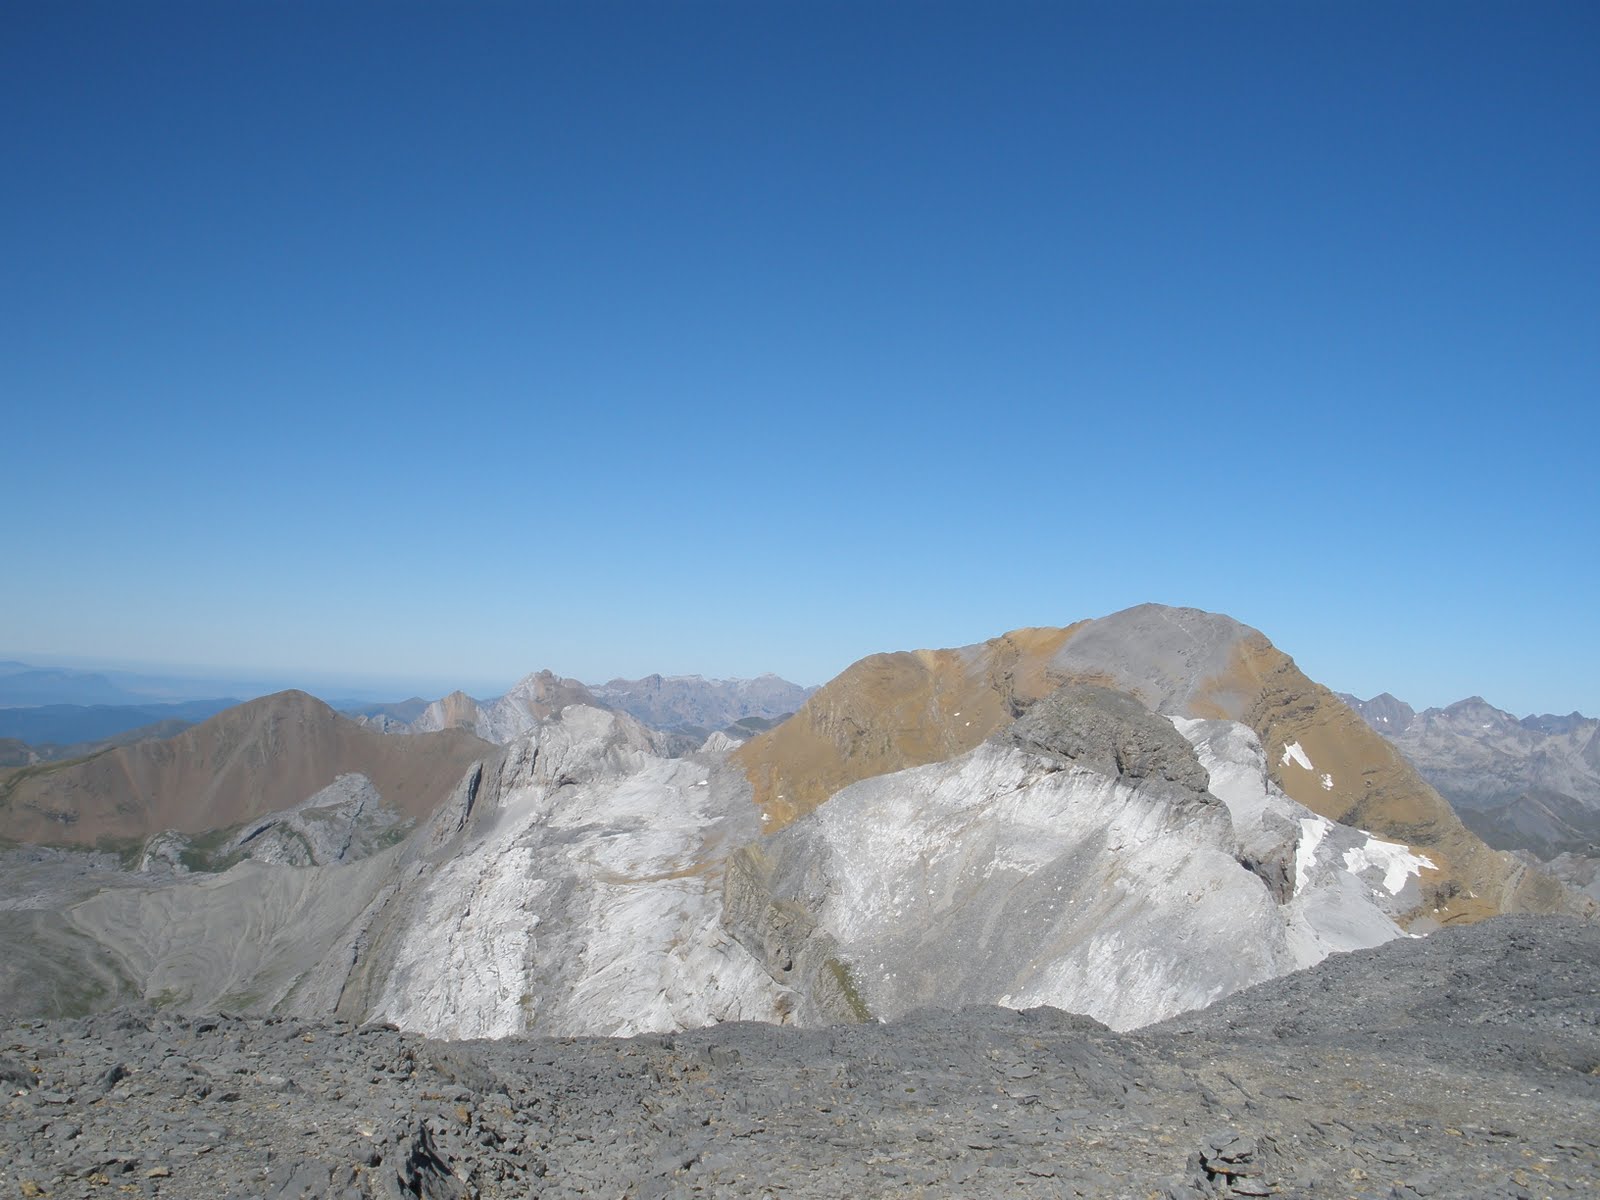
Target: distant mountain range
<point>690,703</point>
<point>1127,817</point>
<point>54,726</point>
<point>28,685</point>
<point>1522,784</point>
<point>401,711</point>
<point>684,709</point>
<point>25,684</point>
<point>21,684</point>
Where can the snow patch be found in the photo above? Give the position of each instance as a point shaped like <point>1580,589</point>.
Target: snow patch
<point>1395,861</point>
<point>1312,831</point>
<point>1293,753</point>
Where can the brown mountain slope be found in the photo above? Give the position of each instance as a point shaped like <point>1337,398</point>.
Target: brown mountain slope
<point>892,711</point>
<point>898,710</point>
<point>1373,786</point>
<point>256,758</point>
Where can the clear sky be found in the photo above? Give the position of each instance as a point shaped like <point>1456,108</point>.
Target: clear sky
<point>451,341</point>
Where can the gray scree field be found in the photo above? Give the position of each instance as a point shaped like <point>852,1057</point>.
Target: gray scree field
<point>1464,1064</point>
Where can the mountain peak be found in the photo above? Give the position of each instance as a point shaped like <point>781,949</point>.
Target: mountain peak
<point>1477,707</point>
<point>265,755</point>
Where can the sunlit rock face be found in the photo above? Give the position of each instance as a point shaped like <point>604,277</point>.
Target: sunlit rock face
<point>584,898</point>
<point>1078,861</point>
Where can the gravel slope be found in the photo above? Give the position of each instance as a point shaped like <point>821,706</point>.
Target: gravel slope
<point>1460,1065</point>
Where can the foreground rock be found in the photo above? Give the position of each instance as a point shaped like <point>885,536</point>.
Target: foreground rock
<point>1460,1065</point>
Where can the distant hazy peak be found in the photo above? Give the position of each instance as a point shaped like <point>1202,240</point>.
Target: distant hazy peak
<point>545,678</point>
<point>692,701</point>
<point>1475,705</point>
<point>1385,712</point>
<point>657,680</point>
<point>1550,723</point>
<point>1529,784</point>
<point>1386,704</point>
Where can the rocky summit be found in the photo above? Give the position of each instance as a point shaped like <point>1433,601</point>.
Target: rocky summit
<point>1460,1065</point>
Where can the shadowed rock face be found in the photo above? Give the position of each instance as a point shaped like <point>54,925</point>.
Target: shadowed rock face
<point>1109,732</point>
<point>1547,823</point>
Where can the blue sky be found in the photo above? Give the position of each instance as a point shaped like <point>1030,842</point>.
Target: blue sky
<point>434,342</point>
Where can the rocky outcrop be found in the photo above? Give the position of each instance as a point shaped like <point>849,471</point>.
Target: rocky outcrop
<point>1101,730</point>
<point>345,821</point>
<point>455,711</point>
<point>784,936</point>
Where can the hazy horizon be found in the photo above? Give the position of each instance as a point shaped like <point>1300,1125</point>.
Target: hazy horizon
<point>336,685</point>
